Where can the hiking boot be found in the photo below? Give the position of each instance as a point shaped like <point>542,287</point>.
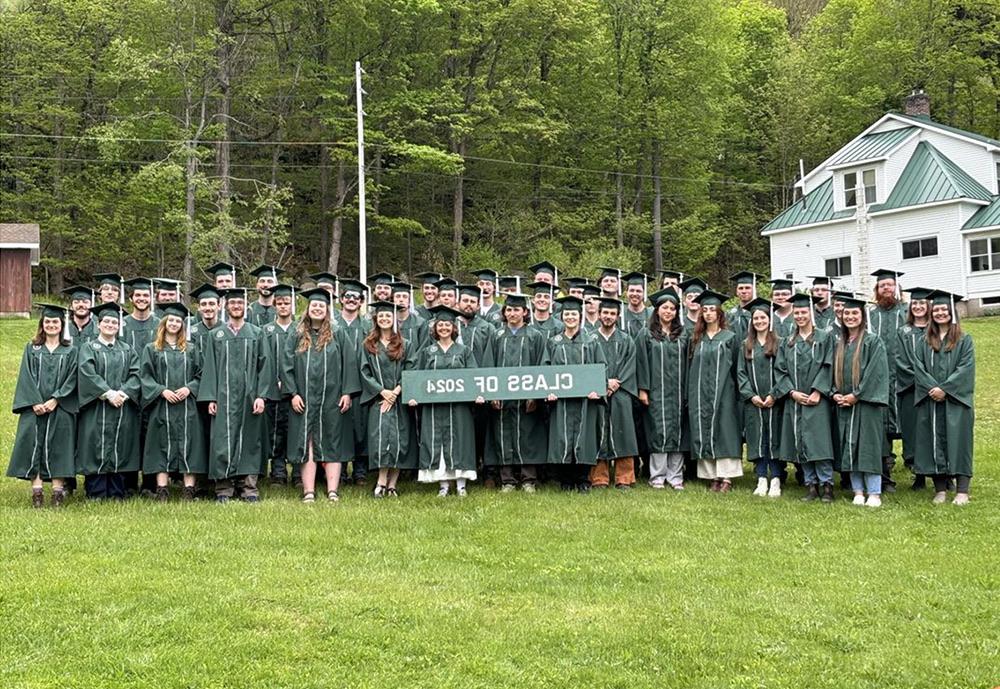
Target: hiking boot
<point>813,494</point>
<point>37,498</point>
<point>188,493</point>
<point>827,493</point>
<point>162,494</point>
<point>58,498</point>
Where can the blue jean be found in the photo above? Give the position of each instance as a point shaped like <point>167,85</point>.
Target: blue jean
<point>864,481</point>
<point>766,467</point>
<point>820,471</point>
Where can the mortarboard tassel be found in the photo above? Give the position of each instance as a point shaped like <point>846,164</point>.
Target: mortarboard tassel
<point>293,304</point>
<point>121,292</point>
<point>66,334</point>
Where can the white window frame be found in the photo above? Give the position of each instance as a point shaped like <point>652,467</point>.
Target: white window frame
<point>839,258</point>
<point>992,266</point>
<point>919,241</point>
<point>871,190</point>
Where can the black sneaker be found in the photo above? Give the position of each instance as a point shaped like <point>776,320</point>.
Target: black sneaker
<point>188,493</point>
<point>827,493</point>
<point>162,494</point>
<point>813,494</point>
<point>58,498</point>
<point>37,499</point>
<point>919,482</point>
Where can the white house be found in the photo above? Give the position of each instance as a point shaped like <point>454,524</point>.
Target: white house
<point>907,193</point>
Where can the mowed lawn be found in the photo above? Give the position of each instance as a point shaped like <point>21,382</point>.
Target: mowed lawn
<point>646,589</point>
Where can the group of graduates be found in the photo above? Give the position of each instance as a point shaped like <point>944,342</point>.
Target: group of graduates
<point>822,381</point>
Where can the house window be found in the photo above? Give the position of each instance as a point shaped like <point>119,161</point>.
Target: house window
<point>998,175</point>
<point>838,267</point>
<point>920,248</point>
<point>851,184</point>
<point>984,254</point>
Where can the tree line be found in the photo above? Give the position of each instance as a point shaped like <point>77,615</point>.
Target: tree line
<point>155,136</point>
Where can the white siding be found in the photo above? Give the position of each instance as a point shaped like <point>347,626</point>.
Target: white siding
<point>804,252</point>
<point>881,193</point>
<point>974,159</point>
<point>943,271</point>
<point>980,284</point>
<point>896,163</point>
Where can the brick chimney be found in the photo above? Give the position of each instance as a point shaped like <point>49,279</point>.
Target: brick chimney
<point>918,104</point>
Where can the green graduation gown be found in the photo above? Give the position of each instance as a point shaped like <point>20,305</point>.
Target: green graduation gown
<point>235,372</point>
<point>825,318</point>
<point>355,332</point>
<point>515,435</point>
<point>174,435</point>
<point>137,334</point>
<point>712,412</point>
<point>738,320</point>
<point>85,334</point>
<point>45,445</point>
<point>661,370</point>
<point>446,430</point>
<point>274,337</point>
<point>758,377</point>
<point>392,436</point>
<point>409,329</point>
<point>108,438</point>
<point>906,413</point>
<point>861,427</point>
<point>478,335</point>
<point>944,429</point>
<point>886,323</point>
<point>493,315</point>
<point>618,437</point>
<point>260,315</point>
<point>201,332</point>
<point>321,378</point>
<point>806,432</point>
<point>549,327</point>
<point>574,423</point>
<point>636,321</point>
<point>783,327</point>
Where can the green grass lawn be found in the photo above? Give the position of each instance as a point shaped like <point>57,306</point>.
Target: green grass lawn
<point>645,589</point>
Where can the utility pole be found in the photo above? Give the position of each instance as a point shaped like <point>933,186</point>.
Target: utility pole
<point>362,229</point>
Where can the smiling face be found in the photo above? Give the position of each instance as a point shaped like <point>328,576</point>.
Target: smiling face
<point>351,301</point>
<point>109,293</point>
<point>781,296</point>
<point>140,299</point>
<point>609,285</point>
<point>81,307</point>
<point>571,318</point>
<point>542,301</point>
<point>468,304</point>
<point>108,326</point>
<point>52,327</point>
<point>318,309</point>
<point>801,316</point>
<point>941,314</point>
<point>382,292</point>
<point>265,283</point>
<point>236,307</point>
<point>444,329</point>
<point>174,325</point>
<point>430,293</point>
<point>852,318</point>
<point>918,307</point>
<point>667,312</point>
<point>208,308</point>
<point>636,295</point>
<point>609,318</point>
<point>383,319</point>
<point>761,321</point>
<point>487,287</point>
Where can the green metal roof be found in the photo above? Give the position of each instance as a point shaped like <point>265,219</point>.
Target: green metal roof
<point>814,207</point>
<point>871,146</point>
<point>931,176</point>
<point>921,119</point>
<point>987,216</point>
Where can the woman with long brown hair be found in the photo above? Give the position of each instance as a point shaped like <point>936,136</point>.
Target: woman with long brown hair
<point>944,386</point>
<point>861,393</point>
<point>45,404</point>
<point>319,372</point>
<point>170,374</point>
<point>762,405</point>
<point>713,416</point>
<point>392,442</point>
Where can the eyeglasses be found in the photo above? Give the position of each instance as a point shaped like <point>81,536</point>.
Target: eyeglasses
<point>349,297</point>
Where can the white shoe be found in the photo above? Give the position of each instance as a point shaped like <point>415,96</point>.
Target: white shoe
<point>658,485</point>
<point>761,488</point>
<point>443,493</point>
<point>461,492</point>
<point>528,487</point>
<point>775,490</point>
<point>939,498</point>
<point>960,499</point>
<point>508,488</point>
<point>874,501</point>
<point>859,499</point>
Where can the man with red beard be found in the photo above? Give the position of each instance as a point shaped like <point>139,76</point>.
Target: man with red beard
<point>885,319</point>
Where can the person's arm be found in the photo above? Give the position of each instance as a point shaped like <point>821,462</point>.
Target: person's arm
<point>26,392</point>
<point>132,386</point>
<point>961,382</point>
<point>873,387</point>
<point>151,388</point>
<point>92,385</point>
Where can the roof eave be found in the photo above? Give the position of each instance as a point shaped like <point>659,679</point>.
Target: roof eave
<point>792,228</point>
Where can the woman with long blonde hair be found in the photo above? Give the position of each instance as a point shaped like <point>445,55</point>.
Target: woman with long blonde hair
<point>170,374</point>
<point>319,373</point>
<point>861,393</point>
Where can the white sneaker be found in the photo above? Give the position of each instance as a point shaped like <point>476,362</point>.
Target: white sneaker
<point>461,492</point>
<point>443,493</point>
<point>960,499</point>
<point>874,501</point>
<point>528,487</point>
<point>761,488</point>
<point>939,498</point>
<point>508,488</point>
<point>859,499</point>
<point>775,490</point>
<point>658,485</point>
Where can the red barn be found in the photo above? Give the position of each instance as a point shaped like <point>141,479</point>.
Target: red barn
<point>18,252</point>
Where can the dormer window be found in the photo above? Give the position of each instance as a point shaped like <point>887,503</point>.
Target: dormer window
<point>851,184</point>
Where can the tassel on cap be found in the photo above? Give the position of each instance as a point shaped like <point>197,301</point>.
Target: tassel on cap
<point>121,292</point>
<point>66,333</point>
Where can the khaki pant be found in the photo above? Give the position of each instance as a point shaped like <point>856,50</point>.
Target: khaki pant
<point>226,487</point>
<point>600,474</point>
<point>508,474</point>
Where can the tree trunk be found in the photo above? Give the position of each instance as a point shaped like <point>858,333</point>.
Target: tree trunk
<point>619,203</point>
<point>657,201</point>
<point>324,202</point>
<point>458,207</point>
<point>191,169</point>
<point>333,265</point>
<point>224,55</point>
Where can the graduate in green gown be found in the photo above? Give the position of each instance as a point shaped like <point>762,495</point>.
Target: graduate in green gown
<point>516,437</point>
<point>917,317</point>
<point>944,372</point>
<point>543,318</point>
<point>574,423</point>
<point>477,333</point>
<point>166,291</point>
<point>447,435</point>
<point>781,318</point>
<point>261,311</point>
<point>757,379</point>
<point>207,319</point>
<point>591,296</point>
<point>45,403</point>
<point>822,289</point>
<point>320,374</point>
<point>635,312</point>
<point>277,407</point>
<point>618,443</point>
<point>110,288</point>
<point>861,393</point>
<point>487,280</point>
<point>82,326</point>
<point>661,378</point>
<point>109,397</point>
<point>355,323</point>
<point>392,436</point>
<point>429,292</point>
<point>235,381</point>
<point>170,375</point>
<point>885,319</point>
<point>713,415</point>
<point>804,383</point>
<point>407,321</point>
<point>690,289</point>
<point>139,326</point>
<point>745,289</point>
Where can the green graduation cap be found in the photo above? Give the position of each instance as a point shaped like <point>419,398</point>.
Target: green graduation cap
<point>570,303</point>
<point>760,304</point>
<point>886,274</point>
<point>174,308</point>
<point>576,282</point>
<point>445,313</point>
<point>470,291</point>
<point>382,279</point>
<point>781,283</point>
<point>509,283</point>
<point>79,292</point>
<point>486,274</point>
<point>635,278</point>
<point>710,298</point>
<point>168,284</point>
<point>324,278</point>
<point>663,295</point>
<point>447,285</point>
<point>818,280</point>
<point>609,272</point>
<point>841,295</point>
<point>939,296</point>
<point>853,302</point>
<point>399,287</point>
<point>217,269</point>
<point>591,291</point>
<point>543,288</point>
<point>234,293</point>
<point>693,286</point>
<point>803,300</point>
<point>607,303</point>
<point>109,310</point>
<point>204,291</point>
<point>283,290</point>
<point>52,310</point>
<point>113,279</point>
<point>265,270</point>
<point>544,267</point>
<point>139,283</point>
<point>317,294</point>
<point>919,293</point>
<point>428,277</point>
<point>354,287</point>
<point>744,277</point>
<point>383,306</point>
<point>675,274</point>
<point>517,299</point>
